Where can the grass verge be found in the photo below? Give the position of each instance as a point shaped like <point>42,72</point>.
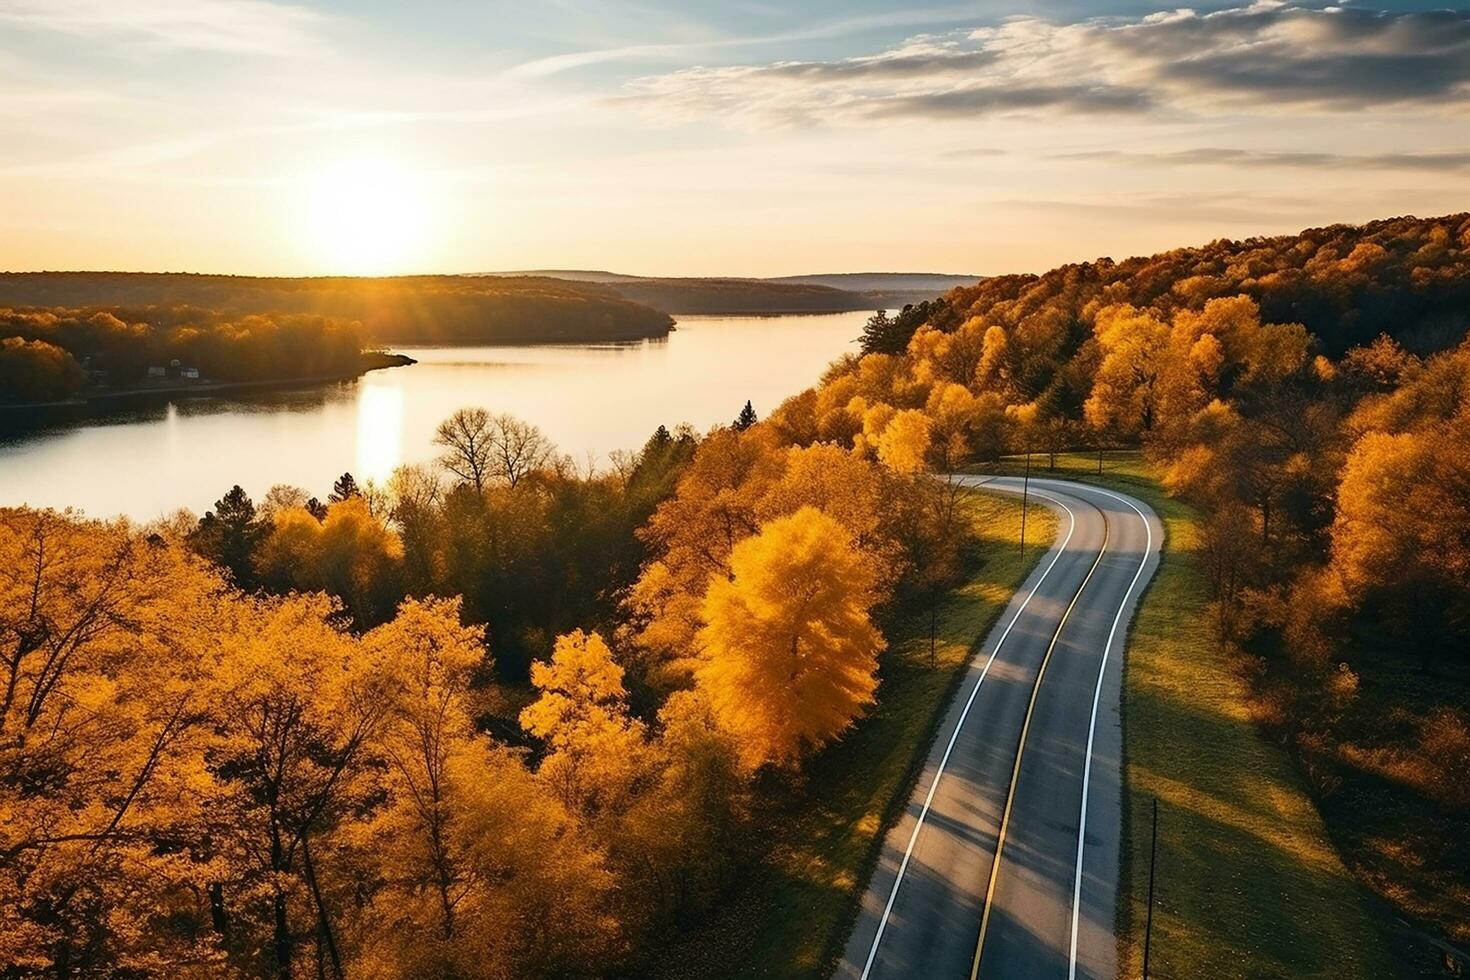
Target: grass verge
<point>1247,881</point>
<point>791,917</point>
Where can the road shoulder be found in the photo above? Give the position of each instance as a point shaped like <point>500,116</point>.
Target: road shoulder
<point>1248,883</point>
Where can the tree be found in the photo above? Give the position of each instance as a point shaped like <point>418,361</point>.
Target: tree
<point>297,711</point>
<point>890,335</point>
<point>517,448</point>
<point>466,438</point>
<point>429,657</point>
<point>229,534</point>
<point>690,536</point>
<point>1125,396</point>
<point>37,371</point>
<point>104,712</point>
<point>905,443</point>
<point>344,489</point>
<point>480,446</point>
<point>790,655</point>
<point>281,497</point>
<point>352,554</point>
<point>1402,527</point>
<point>746,418</point>
<point>582,713</point>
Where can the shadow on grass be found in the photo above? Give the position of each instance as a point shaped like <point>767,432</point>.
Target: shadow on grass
<point>1247,881</point>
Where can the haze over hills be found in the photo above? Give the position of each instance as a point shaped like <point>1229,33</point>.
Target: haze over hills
<point>397,309</point>
<point>820,293</point>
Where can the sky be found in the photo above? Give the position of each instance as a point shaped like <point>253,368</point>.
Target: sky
<point>709,137</point>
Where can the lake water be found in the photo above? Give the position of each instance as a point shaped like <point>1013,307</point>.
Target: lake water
<point>148,462</point>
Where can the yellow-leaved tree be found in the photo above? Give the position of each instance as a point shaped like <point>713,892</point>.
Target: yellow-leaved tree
<point>428,657</point>
<point>597,748</point>
<point>790,654</point>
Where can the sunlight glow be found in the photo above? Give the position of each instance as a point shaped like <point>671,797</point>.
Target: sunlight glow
<point>379,431</point>
<point>367,217</point>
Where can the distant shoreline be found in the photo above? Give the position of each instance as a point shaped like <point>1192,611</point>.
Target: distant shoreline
<point>372,361</point>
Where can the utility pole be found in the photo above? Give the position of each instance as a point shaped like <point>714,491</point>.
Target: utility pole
<point>1099,457</point>
<point>1153,847</point>
<point>1025,496</point>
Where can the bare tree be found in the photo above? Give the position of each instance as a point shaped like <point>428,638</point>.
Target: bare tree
<point>517,448</point>
<point>623,464</point>
<point>480,446</point>
<point>467,437</point>
<point>416,487</point>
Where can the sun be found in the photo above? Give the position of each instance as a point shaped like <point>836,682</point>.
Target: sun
<point>366,217</point>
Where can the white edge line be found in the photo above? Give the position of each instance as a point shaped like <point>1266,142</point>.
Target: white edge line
<point>1092,723</point>
<point>944,760</point>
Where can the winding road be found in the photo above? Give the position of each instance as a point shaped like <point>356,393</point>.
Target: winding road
<point>1005,862</point>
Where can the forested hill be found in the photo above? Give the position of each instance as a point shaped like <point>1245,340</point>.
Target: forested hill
<point>1408,277</point>
<point>403,309</point>
<point>1309,395</point>
<point>833,293</point>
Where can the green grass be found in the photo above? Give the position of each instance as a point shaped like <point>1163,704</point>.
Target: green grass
<point>792,917</point>
<point>1248,883</point>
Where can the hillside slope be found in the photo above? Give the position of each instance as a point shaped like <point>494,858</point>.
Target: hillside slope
<point>402,310</point>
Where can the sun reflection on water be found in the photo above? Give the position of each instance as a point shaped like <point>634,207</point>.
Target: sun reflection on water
<point>379,431</point>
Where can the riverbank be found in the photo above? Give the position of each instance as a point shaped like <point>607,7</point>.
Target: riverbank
<point>103,398</point>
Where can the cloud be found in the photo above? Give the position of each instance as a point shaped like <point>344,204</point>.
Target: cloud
<point>255,27</point>
<point>1165,209</point>
<point>1264,58</point>
<point>1217,156</point>
<point>824,30</point>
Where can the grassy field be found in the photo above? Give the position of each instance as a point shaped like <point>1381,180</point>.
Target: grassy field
<point>1248,883</point>
<point>791,918</point>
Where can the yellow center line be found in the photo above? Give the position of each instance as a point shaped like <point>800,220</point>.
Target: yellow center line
<point>1005,819</point>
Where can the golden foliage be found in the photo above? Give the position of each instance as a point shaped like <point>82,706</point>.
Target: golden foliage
<point>790,655</point>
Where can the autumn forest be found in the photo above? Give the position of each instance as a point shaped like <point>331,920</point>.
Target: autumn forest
<point>509,714</point>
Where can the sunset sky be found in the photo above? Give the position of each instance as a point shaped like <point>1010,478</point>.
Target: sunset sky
<point>693,138</point>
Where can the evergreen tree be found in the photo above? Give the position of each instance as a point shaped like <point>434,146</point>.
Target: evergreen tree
<point>344,489</point>
<point>746,418</point>
<point>890,335</point>
<point>229,534</point>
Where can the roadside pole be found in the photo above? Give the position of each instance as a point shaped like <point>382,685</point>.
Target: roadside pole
<point>1025,496</point>
<point>1148,928</point>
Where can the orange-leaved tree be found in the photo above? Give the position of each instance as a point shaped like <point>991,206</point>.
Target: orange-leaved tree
<point>790,654</point>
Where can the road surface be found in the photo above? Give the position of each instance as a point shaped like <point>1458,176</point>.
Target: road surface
<point>1027,764</point>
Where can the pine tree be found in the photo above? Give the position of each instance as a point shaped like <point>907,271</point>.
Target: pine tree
<point>344,489</point>
<point>229,534</point>
<point>746,418</point>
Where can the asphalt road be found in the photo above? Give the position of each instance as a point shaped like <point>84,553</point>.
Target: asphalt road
<point>1027,764</point>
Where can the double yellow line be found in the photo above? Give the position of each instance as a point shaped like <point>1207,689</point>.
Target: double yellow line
<point>1005,820</point>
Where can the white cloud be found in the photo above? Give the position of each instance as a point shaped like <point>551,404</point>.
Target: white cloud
<point>255,27</point>
<point>1261,58</point>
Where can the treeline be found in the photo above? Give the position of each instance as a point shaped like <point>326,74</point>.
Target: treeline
<point>52,354</point>
<point>401,310</point>
<point>842,292</point>
<point>739,296</point>
<point>1274,383</point>
<point>534,547</point>
<point>258,744</point>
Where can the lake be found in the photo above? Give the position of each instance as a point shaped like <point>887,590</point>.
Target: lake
<point>147,462</point>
